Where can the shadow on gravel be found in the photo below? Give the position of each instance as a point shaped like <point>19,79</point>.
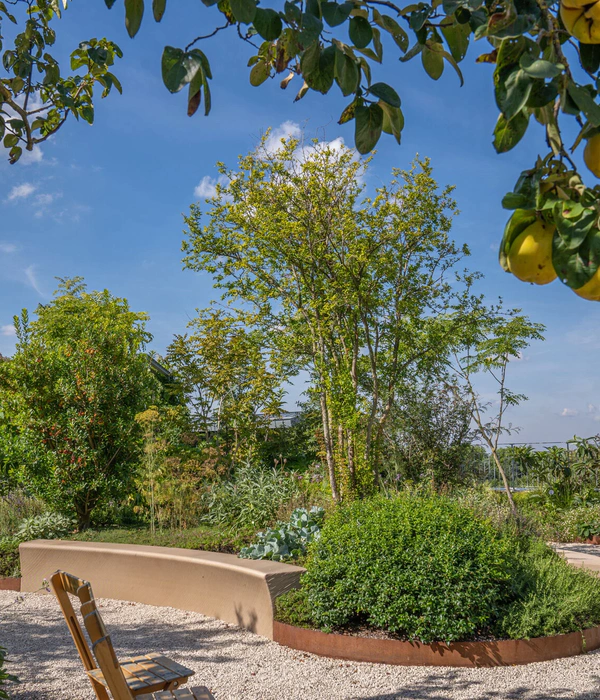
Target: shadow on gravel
<point>442,687</point>
<point>44,634</point>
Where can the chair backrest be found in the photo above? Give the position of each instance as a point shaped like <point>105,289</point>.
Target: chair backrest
<point>102,650</point>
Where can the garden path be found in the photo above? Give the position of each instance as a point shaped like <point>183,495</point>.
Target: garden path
<point>580,554</point>
<point>238,665</point>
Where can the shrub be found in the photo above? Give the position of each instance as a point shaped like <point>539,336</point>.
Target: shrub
<point>252,497</point>
<point>553,597</point>
<point>210,539</point>
<point>14,507</point>
<point>423,567</point>
<point>9,558</point>
<point>293,609</point>
<point>4,674</point>
<point>48,526</point>
<point>288,540</point>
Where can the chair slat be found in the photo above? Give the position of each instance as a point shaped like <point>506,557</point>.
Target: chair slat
<point>138,671</point>
<point>170,664</point>
<point>197,693</point>
<point>183,694</point>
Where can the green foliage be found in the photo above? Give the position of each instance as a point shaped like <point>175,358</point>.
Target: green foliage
<point>539,76</point>
<point>429,436</point>
<point>287,540</point>
<point>227,377</point>
<point>48,526</point>
<point>9,557</point>
<point>35,99</point>
<point>252,497</point>
<point>4,674</point>
<point>351,290</point>
<point>553,596</point>
<point>73,388</point>
<point>210,539</point>
<point>420,566</point>
<point>15,506</point>
<point>292,608</point>
<point>588,529</point>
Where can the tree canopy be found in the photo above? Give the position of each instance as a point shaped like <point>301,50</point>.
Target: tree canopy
<point>362,294</point>
<point>546,57</point>
<point>72,390</point>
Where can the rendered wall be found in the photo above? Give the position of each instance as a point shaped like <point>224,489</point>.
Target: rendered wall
<point>239,591</point>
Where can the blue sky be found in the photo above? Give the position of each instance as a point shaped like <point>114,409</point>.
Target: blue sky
<point>106,201</point>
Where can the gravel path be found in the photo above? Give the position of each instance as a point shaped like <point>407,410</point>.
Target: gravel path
<point>238,665</point>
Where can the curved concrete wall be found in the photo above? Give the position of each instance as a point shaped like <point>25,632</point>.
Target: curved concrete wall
<point>240,591</point>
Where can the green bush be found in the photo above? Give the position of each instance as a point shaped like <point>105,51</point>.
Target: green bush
<point>210,539</point>
<point>47,526</point>
<point>552,596</point>
<point>9,558</point>
<point>4,674</point>
<point>14,507</point>
<point>293,609</point>
<point>420,566</point>
<point>288,540</point>
<point>253,496</point>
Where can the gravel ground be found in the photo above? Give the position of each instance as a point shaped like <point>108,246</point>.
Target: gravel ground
<point>238,665</point>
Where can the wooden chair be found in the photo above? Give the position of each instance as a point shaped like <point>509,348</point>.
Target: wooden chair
<point>141,677</point>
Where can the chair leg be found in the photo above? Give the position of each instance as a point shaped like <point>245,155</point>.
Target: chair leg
<point>99,690</point>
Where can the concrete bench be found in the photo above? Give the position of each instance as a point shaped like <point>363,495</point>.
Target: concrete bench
<point>239,591</point>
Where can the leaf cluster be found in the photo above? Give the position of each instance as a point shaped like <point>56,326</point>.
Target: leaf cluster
<point>287,540</point>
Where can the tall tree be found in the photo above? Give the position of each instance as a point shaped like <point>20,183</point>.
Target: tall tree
<point>226,378</point>
<point>355,291</point>
<point>492,339</point>
<point>73,388</point>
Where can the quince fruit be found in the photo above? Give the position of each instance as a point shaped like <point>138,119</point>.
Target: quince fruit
<point>591,154</point>
<point>582,20</point>
<point>591,289</point>
<point>530,255</point>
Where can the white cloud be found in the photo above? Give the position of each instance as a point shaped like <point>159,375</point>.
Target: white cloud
<point>31,279</point>
<point>30,157</point>
<point>207,187</point>
<point>7,248</point>
<point>569,412</point>
<point>21,191</point>
<point>597,418</point>
<point>43,200</point>
<point>591,408</point>
<point>287,130</point>
<point>8,329</point>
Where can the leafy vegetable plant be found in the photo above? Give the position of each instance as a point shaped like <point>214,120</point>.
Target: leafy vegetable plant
<point>288,540</point>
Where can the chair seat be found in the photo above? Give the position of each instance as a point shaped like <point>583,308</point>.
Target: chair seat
<point>149,673</point>
<point>198,693</point>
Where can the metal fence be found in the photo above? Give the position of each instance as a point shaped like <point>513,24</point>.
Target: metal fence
<point>487,472</point>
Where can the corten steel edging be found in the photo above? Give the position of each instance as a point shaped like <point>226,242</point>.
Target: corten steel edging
<point>508,652</point>
<point>11,583</point>
<point>239,591</point>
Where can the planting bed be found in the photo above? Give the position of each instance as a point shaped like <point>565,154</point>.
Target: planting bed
<point>508,652</point>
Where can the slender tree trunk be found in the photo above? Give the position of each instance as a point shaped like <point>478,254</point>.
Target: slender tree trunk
<point>351,458</point>
<point>511,500</point>
<point>329,447</point>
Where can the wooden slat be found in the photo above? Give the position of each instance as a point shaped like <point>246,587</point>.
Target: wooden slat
<point>158,670</point>
<point>171,665</point>
<point>137,671</point>
<point>183,694</point>
<point>202,693</point>
<point>197,693</point>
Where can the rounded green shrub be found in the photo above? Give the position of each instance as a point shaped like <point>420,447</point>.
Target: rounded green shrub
<point>424,567</point>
